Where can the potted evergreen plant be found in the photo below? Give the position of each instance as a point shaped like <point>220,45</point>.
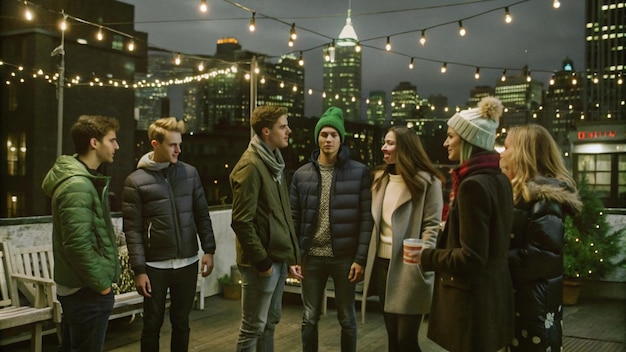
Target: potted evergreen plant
<point>230,288</point>
<point>590,250</point>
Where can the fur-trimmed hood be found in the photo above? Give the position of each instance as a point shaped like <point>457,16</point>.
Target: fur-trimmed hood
<point>551,189</point>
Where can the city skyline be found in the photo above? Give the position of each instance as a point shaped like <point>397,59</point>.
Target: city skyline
<point>538,36</point>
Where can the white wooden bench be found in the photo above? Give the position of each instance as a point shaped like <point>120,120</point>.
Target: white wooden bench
<point>38,261</point>
<point>14,315</point>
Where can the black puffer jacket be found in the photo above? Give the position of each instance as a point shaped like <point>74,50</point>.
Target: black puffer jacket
<point>165,212</point>
<point>350,205</point>
<point>536,262</point>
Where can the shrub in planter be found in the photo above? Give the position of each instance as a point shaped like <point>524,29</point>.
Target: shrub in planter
<point>231,289</point>
<point>590,250</point>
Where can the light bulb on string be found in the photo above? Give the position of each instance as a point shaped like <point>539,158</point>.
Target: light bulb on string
<point>99,35</point>
<point>462,31</point>
<point>64,23</point>
<point>444,67</point>
<point>357,47</point>
<point>292,32</point>
<point>507,15</point>
<point>301,60</point>
<point>503,78</point>
<point>203,6</point>
<point>131,45</point>
<point>574,80</point>
<point>528,78</point>
<point>556,4</point>
<point>262,80</point>
<point>177,59</point>
<point>388,45</point>
<point>201,66</point>
<point>552,80</point>
<point>27,14</point>
<point>423,37</point>
<point>477,73</point>
<point>619,79</point>
<point>252,25</point>
<point>411,64</point>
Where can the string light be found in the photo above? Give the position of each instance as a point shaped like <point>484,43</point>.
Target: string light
<point>388,45</point>
<point>528,79</point>
<point>461,29</point>
<point>552,80</point>
<point>252,26</point>
<point>131,45</point>
<point>292,32</point>
<point>201,66</point>
<point>507,15</point>
<point>574,80</point>
<point>444,67</point>
<point>99,36</point>
<point>556,4</point>
<point>27,14</point>
<point>203,6</point>
<point>357,48</point>
<point>503,78</point>
<point>423,37</point>
<point>477,73</point>
<point>619,79</point>
<point>301,60</point>
<point>64,23</point>
<point>177,60</point>
<point>411,64</point>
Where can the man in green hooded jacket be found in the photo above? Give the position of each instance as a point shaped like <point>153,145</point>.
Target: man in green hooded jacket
<point>83,239</point>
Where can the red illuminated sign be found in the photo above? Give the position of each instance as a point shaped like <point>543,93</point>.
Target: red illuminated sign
<point>584,135</point>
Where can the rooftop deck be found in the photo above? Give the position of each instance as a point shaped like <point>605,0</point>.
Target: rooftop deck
<point>597,325</point>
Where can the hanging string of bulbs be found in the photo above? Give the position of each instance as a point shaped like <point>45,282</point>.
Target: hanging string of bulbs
<point>328,49</point>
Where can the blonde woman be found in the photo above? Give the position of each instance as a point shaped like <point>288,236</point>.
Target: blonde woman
<point>543,193</point>
<point>472,307</point>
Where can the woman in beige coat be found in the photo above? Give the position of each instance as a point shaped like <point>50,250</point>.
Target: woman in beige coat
<point>407,202</point>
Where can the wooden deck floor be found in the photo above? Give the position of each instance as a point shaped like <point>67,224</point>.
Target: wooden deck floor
<point>593,325</point>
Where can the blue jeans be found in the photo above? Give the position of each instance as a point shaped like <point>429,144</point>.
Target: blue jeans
<point>85,320</point>
<point>316,271</point>
<point>261,304</point>
<point>182,288</point>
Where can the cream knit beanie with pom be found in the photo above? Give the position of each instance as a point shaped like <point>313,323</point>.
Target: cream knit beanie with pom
<point>478,126</point>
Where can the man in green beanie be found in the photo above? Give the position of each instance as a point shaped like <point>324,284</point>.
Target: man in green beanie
<point>330,204</point>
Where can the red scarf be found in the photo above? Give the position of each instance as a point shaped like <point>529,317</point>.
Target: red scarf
<point>480,161</point>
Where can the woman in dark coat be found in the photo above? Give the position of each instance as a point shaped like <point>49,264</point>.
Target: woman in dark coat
<point>472,307</point>
<point>543,193</point>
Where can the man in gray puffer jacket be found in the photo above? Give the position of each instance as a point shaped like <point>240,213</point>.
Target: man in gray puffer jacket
<point>165,212</point>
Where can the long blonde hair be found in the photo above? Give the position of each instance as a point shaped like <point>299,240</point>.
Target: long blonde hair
<point>535,153</point>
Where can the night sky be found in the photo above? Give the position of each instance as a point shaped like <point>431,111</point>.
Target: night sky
<point>539,36</point>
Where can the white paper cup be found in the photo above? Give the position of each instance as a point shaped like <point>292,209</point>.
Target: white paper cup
<point>410,246</point>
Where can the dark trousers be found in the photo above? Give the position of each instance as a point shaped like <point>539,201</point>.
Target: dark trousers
<point>402,329</point>
<point>316,271</point>
<point>85,320</point>
<point>181,284</point>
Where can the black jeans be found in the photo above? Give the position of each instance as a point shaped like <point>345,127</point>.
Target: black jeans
<point>402,329</point>
<point>85,319</point>
<point>182,289</point>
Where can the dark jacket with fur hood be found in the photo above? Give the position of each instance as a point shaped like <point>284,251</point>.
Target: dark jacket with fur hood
<point>536,262</point>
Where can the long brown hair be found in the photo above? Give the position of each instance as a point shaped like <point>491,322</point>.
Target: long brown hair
<point>410,159</point>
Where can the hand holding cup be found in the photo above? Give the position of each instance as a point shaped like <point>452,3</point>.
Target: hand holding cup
<point>412,250</point>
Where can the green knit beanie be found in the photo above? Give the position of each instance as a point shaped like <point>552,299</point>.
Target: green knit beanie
<point>333,117</point>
